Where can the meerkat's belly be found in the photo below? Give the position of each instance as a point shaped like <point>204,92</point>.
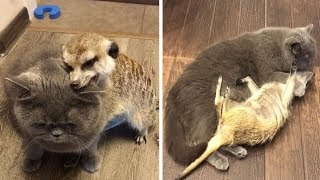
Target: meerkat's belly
<point>248,127</point>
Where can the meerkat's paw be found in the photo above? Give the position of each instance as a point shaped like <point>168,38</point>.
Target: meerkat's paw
<point>293,68</point>
<point>220,79</point>
<point>91,162</point>
<point>227,92</point>
<point>218,160</point>
<point>30,165</point>
<point>142,137</point>
<point>238,151</point>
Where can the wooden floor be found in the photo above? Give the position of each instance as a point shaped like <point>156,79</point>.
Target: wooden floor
<point>192,25</point>
<point>122,158</point>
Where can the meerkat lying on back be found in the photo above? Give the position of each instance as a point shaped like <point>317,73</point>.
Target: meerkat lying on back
<point>253,121</point>
<point>91,58</point>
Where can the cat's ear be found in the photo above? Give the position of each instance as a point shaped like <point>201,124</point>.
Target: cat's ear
<point>113,50</point>
<point>16,88</point>
<point>309,28</point>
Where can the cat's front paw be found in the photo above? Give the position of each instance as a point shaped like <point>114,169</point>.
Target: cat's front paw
<point>30,165</point>
<point>91,163</point>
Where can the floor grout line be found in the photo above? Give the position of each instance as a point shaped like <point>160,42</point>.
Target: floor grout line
<point>144,13</point>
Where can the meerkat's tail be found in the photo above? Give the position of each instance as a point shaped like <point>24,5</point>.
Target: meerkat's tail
<point>215,142</point>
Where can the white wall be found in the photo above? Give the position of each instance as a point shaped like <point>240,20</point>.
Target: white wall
<point>10,8</point>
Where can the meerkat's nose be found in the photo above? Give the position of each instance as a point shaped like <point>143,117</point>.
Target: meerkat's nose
<point>75,84</point>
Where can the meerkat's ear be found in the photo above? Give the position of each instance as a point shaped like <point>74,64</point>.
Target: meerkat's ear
<point>113,50</point>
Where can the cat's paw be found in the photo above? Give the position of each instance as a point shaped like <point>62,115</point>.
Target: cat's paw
<point>91,163</point>
<point>30,165</point>
<point>238,151</point>
<point>141,138</point>
<point>219,161</point>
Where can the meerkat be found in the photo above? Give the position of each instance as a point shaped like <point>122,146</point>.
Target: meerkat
<point>265,55</point>
<point>92,58</point>
<point>253,121</point>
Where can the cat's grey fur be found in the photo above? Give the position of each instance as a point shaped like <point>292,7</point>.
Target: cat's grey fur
<point>265,55</point>
<point>49,115</point>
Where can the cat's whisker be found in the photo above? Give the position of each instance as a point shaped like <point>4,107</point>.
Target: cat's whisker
<point>84,144</point>
<point>30,143</point>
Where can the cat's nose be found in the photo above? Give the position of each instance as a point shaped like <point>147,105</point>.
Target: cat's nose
<point>75,84</point>
<point>56,132</point>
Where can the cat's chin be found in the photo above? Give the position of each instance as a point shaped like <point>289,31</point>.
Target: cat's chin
<point>60,147</point>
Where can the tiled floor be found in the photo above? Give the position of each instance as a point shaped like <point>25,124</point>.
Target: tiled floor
<point>192,25</point>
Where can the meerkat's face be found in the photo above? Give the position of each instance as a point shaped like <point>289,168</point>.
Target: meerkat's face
<point>89,58</point>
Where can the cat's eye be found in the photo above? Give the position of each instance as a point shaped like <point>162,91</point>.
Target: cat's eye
<point>68,68</point>
<point>39,125</point>
<point>90,63</point>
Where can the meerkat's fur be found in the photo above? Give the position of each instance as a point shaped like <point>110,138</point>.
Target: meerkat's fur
<point>253,121</point>
<point>129,90</point>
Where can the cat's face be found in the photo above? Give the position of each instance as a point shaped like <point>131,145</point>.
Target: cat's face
<point>50,113</point>
<point>302,47</point>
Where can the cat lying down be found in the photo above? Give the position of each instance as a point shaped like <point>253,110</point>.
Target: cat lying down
<point>257,119</point>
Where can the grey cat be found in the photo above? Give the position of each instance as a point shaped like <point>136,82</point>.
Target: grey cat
<point>264,55</point>
<point>49,115</point>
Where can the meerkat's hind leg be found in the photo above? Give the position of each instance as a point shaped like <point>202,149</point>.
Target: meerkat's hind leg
<point>238,151</point>
<point>218,160</point>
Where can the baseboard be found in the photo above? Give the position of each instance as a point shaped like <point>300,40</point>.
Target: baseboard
<point>9,33</point>
<point>146,2</point>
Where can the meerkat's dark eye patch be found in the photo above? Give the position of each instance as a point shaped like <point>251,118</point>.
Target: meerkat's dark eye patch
<point>114,50</point>
<point>89,63</point>
<point>67,67</point>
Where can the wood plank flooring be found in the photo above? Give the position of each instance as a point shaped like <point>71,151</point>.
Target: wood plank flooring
<point>122,158</point>
<point>192,25</point>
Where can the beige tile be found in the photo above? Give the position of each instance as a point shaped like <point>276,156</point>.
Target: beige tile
<point>151,20</point>
<point>94,16</point>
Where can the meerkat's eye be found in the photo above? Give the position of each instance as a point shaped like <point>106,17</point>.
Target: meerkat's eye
<point>68,68</point>
<point>90,63</point>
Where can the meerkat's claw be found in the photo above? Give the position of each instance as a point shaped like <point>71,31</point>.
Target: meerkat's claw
<point>240,82</point>
<point>227,92</point>
<point>293,68</point>
<point>140,139</point>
